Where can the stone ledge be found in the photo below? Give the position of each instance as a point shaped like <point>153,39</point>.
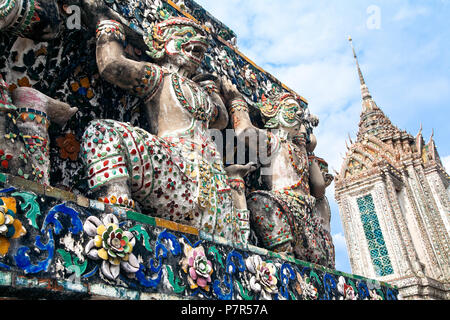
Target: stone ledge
<point>55,260</point>
<point>417,288</point>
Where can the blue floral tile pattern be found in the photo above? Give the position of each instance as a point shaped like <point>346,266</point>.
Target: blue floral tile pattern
<point>374,235</point>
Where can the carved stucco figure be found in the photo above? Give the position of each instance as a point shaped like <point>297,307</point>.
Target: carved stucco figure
<point>26,113</point>
<point>173,169</point>
<point>293,216</point>
<point>175,172</point>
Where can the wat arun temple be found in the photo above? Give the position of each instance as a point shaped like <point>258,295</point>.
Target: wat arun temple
<point>144,157</point>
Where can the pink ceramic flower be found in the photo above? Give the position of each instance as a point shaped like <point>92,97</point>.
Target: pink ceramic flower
<point>197,266</point>
<point>200,268</point>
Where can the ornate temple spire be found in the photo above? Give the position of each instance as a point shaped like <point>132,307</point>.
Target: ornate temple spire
<point>373,120</point>
<point>432,151</point>
<point>364,89</point>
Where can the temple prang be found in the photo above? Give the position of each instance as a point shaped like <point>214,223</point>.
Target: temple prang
<point>392,193</point>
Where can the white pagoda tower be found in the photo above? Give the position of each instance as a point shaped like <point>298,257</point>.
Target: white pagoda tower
<point>393,196</point>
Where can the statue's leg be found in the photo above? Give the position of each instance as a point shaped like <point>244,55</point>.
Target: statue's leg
<point>241,215</point>
<point>324,212</point>
<point>313,242</point>
<point>24,137</point>
<point>35,111</point>
<point>11,148</point>
<point>106,158</point>
<point>270,223</point>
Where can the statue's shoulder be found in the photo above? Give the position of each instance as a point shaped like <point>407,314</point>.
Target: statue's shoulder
<point>151,81</point>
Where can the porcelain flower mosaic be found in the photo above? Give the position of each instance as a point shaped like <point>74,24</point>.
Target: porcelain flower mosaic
<point>10,226</point>
<point>197,266</point>
<point>263,279</point>
<point>112,245</point>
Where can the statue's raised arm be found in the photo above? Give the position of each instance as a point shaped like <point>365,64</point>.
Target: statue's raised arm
<point>140,78</point>
<point>286,216</point>
<point>174,170</point>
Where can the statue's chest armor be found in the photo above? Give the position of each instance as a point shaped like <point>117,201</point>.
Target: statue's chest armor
<point>298,158</point>
<point>191,97</point>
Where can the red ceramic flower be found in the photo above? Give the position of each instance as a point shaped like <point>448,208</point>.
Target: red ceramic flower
<point>69,147</point>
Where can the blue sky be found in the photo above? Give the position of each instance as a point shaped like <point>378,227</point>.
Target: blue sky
<point>404,51</point>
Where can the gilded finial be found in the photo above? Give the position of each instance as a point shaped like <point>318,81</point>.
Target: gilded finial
<point>353,49</point>
<point>364,90</point>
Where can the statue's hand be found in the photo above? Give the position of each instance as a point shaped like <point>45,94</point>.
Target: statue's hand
<point>241,171</point>
<point>313,120</point>
<point>311,146</point>
<point>328,178</point>
<point>228,89</point>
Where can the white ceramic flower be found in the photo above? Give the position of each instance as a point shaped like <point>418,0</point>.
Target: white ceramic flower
<point>347,291</point>
<point>306,288</point>
<point>112,245</point>
<point>374,295</point>
<point>263,277</point>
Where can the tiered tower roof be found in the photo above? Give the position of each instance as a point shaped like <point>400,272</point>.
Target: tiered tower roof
<point>381,142</point>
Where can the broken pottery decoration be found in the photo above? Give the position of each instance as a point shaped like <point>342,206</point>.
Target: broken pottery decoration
<point>37,20</point>
<point>25,119</point>
<point>176,173</point>
<point>35,111</point>
<point>285,217</point>
<point>8,133</point>
<point>241,222</point>
<point>76,251</point>
<point>172,220</point>
<point>25,138</point>
<point>111,245</point>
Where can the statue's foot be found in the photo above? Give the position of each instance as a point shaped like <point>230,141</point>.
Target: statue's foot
<point>284,248</point>
<point>116,193</point>
<point>57,112</point>
<point>60,112</point>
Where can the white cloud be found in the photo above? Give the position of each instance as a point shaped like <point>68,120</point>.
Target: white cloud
<point>408,12</point>
<point>339,241</point>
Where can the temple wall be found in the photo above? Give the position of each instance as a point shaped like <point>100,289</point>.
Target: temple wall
<point>57,243</point>
<point>440,197</point>
<point>65,69</point>
<point>54,258</point>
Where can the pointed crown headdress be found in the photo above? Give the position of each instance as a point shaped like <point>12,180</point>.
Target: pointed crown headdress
<point>158,34</point>
<point>277,110</point>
